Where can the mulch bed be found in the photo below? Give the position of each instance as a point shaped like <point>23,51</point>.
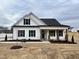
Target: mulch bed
<point>16,47</point>
<point>64,42</point>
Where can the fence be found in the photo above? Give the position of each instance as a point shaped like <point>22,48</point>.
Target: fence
<point>2,36</point>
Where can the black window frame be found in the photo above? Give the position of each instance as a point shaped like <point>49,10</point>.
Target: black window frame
<point>26,21</point>
<point>21,33</point>
<point>52,32</point>
<point>60,32</point>
<point>32,33</point>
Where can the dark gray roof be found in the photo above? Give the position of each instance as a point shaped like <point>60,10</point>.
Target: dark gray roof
<point>3,28</point>
<point>49,21</point>
<point>24,26</point>
<point>52,22</point>
<point>54,26</point>
<point>5,31</point>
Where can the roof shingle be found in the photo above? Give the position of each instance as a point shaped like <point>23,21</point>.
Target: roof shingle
<point>49,21</point>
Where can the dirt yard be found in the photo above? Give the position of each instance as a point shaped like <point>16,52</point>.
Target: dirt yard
<point>39,51</point>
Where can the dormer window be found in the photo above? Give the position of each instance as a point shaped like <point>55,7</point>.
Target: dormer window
<point>26,21</point>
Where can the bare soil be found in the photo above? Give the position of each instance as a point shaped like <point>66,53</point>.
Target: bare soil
<point>39,51</point>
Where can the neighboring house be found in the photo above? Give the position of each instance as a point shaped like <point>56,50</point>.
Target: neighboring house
<point>3,28</point>
<point>30,27</point>
<point>5,31</point>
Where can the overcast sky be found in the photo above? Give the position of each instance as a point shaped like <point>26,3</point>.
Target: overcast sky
<point>65,11</point>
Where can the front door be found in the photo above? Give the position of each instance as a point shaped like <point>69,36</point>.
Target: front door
<point>43,34</point>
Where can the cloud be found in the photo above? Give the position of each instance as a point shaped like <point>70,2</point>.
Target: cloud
<point>73,23</point>
<point>63,10</point>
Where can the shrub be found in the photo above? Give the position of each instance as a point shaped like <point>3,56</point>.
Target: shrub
<point>66,37</point>
<point>72,39</point>
<point>5,37</point>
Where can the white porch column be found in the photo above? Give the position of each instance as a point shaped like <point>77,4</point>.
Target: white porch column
<point>66,35</point>
<point>56,34</point>
<point>47,34</point>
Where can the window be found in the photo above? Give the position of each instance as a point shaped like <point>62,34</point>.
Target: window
<point>26,21</point>
<point>60,32</point>
<point>21,33</point>
<point>52,32</point>
<point>31,33</point>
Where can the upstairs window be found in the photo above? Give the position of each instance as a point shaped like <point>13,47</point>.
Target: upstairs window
<point>21,33</point>
<point>60,32</point>
<point>26,21</point>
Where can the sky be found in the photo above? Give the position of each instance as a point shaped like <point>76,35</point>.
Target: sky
<point>65,11</point>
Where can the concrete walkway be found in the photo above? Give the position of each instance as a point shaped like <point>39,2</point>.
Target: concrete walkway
<point>27,42</point>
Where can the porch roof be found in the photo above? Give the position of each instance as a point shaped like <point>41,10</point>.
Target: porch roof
<point>50,21</point>
<point>43,26</point>
<point>54,28</point>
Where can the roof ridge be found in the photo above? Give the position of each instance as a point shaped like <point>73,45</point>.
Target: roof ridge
<point>47,18</point>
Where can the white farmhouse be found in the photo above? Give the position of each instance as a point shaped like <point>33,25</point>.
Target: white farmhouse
<point>30,27</point>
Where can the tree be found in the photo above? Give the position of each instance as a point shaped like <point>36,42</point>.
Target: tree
<point>72,39</point>
<point>66,37</point>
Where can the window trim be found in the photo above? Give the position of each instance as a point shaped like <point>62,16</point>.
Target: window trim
<point>60,31</point>
<point>21,33</point>
<point>32,33</point>
<point>52,33</point>
<point>26,21</point>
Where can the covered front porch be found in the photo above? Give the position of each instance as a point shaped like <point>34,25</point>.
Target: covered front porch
<point>53,34</point>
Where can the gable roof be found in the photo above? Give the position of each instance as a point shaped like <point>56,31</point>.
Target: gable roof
<point>26,15</point>
<point>47,21</point>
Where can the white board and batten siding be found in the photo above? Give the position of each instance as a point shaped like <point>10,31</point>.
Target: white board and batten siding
<point>60,37</point>
<point>56,28</point>
<point>34,21</point>
<point>63,37</point>
<point>15,33</point>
